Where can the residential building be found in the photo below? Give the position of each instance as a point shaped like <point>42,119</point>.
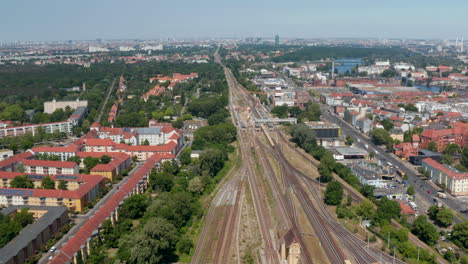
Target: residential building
<point>63,152</point>
<point>5,154</point>
<point>75,200</point>
<point>407,149</point>
<point>364,124</point>
<point>120,161</point>
<point>78,115</point>
<point>454,181</point>
<point>50,167</point>
<point>50,107</point>
<point>11,164</point>
<point>137,183</point>
<point>72,184</point>
<point>48,221</point>
<point>458,134</point>
<point>64,126</point>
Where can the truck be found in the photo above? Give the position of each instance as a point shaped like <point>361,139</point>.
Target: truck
<point>413,205</point>
<point>441,195</point>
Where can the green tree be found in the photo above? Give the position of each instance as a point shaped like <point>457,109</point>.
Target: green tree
<point>22,182</point>
<point>218,117</point>
<point>212,161</point>
<point>410,190</point>
<point>425,230</point>
<point>387,124</point>
<point>134,207</point>
<point>106,159</point>
<point>280,111</point>
<point>368,190</point>
<point>162,182</point>
<point>75,159</point>
<point>195,185</point>
<point>48,183</point>
<point>155,243</point>
<point>349,140</point>
<point>24,217</point>
<point>450,256</point>
<point>325,173</point>
<point>460,234</point>
<point>185,245</point>
<point>444,217</point>
<point>365,209</point>
<point>177,207</point>
<point>90,162</point>
<point>333,193</point>
<point>381,136</point>
<point>387,210</point>
<point>185,158</point>
<point>464,157</point>
<point>452,149</point>
<point>62,185</point>
<point>295,111</point>
<point>411,108</point>
<point>432,146</point>
<point>447,159</point>
<point>146,142</point>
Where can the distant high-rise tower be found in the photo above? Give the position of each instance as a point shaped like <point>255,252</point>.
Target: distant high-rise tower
<point>277,40</point>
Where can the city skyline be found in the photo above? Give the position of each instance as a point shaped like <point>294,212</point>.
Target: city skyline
<point>53,20</point>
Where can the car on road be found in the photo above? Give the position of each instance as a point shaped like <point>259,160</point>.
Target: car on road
<point>52,249</point>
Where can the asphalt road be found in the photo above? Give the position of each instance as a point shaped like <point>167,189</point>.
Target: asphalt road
<point>80,220</point>
<point>422,187</point>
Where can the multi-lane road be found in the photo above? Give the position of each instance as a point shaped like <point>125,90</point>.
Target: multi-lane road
<point>423,188</point>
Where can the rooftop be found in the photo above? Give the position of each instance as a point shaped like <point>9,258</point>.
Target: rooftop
<point>29,232</point>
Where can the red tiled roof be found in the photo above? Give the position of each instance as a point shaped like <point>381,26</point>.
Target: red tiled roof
<point>114,155</point>
<point>90,181</point>
<point>73,244</point>
<point>445,170</point>
<point>95,124</point>
<point>415,138</point>
<point>103,167</point>
<point>16,158</point>
<point>396,118</point>
<point>160,148</point>
<point>99,142</point>
<point>406,209</point>
<point>70,148</point>
<point>49,163</point>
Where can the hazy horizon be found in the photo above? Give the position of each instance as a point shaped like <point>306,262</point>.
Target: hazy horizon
<point>54,20</point>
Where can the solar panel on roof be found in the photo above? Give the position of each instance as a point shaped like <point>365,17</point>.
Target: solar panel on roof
<point>36,177</point>
<point>15,192</point>
<point>66,177</point>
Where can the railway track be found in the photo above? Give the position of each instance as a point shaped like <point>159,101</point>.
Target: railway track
<point>337,242</point>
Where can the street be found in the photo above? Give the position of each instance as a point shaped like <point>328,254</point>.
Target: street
<point>80,220</point>
<point>422,187</point>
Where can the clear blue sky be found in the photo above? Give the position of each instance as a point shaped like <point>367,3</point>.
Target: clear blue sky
<point>152,19</point>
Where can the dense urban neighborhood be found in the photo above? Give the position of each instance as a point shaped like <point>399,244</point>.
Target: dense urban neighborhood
<point>252,150</point>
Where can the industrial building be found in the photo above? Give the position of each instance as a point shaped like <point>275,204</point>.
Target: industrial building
<point>324,129</point>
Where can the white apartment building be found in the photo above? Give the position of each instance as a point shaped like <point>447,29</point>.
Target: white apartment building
<point>49,167</point>
<point>50,107</point>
